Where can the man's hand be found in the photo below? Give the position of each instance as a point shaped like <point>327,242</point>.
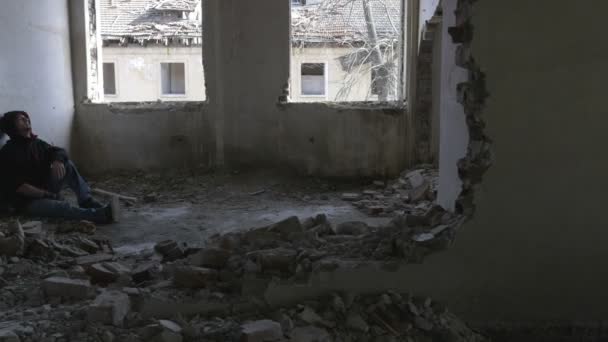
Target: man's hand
<point>57,170</point>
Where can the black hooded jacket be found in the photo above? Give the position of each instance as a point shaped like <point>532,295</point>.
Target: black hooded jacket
<point>26,160</point>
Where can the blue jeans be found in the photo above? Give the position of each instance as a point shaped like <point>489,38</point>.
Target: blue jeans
<point>62,209</point>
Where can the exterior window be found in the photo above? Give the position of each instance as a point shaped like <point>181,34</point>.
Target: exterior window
<point>313,79</point>
<point>109,79</point>
<point>173,78</point>
<point>354,38</point>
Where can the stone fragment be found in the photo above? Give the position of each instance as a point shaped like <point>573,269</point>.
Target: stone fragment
<point>419,193</point>
<point>8,336</point>
<point>107,272</point>
<point>89,260</point>
<point>170,250</point>
<point>32,229</point>
<point>67,288</point>
<point>310,334</point>
<point>278,259</point>
<point>376,210</point>
<point>107,336</point>
<point>261,331</point>
<point>289,225</point>
<point>87,245</point>
<point>415,178</point>
<point>352,228</point>
<point>354,321</point>
<point>110,307</point>
<point>193,277</point>
<point>379,184</point>
<point>14,243</point>
<point>423,324</point>
<point>144,272</point>
<point>210,257</point>
<point>351,197</point>
<point>100,274</point>
<point>170,325</point>
<point>85,227</point>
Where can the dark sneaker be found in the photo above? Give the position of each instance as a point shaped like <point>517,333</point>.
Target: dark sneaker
<point>91,203</point>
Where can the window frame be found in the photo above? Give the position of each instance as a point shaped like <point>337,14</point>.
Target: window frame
<point>160,79</point>
<point>325,80</point>
<point>408,45</point>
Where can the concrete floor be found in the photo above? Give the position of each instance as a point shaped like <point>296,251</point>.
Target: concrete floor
<point>197,207</point>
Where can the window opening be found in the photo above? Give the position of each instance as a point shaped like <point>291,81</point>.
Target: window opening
<point>173,78</point>
<point>147,35</point>
<point>109,79</point>
<point>314,78</point>
<point>362,42</point>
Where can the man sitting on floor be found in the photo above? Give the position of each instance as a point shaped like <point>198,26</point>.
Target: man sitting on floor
<point>33,173</point>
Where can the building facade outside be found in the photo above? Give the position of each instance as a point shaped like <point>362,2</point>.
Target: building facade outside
<point>153,51</point>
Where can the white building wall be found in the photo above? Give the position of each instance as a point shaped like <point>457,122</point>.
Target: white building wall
<point>359,91</point>
<point>138,72</point>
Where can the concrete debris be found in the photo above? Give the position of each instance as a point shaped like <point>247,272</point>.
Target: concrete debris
<point>110,307</point>
<point>8,336</point>
<point>262,331</point>
<point>67,288</point>
<point>216,293</point>
<point>12,240</point>
<point>170,250</point>
<point>85,227</point>
<point>193,277</point>
<point>400,196</point>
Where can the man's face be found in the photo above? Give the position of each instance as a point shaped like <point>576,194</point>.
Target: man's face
<point>23,126</point>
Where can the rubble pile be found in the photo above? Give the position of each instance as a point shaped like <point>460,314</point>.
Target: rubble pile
<point>413,192</point>
<point>57,286</point>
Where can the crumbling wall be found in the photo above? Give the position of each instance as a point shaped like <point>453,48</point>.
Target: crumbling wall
<point>533,249</point>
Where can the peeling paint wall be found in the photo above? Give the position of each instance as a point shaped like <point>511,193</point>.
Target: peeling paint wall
<point>35,70</point>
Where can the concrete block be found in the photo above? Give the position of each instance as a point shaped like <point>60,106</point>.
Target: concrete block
<point>8,336</point>
<point>210,257</point>
<point>110,307</point>
<point>89,260</point>
<point>352,228</point>
<point>309,334</point>
<point>67,288</point>
<point>193,277</point>
<point>261,331</point>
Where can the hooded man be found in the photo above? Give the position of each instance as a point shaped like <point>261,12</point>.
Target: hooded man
<point>32,174</point>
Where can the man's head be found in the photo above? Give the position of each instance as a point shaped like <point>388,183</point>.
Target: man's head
<point>16,124</point>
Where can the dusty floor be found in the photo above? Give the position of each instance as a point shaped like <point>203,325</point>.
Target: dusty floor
<point>194,207</point>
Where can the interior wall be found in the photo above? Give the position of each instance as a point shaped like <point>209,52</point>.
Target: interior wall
<point>453,131</point>
<point>247,62</point>
<point>35,66</point>
<point>536,248</point>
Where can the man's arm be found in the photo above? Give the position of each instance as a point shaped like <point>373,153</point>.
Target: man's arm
<point>31,191</point>
<point>57,157</point>
<point>54,153</point>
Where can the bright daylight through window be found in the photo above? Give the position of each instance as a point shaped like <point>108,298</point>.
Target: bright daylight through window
<point>152,50</point>
<point>347,50</point>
